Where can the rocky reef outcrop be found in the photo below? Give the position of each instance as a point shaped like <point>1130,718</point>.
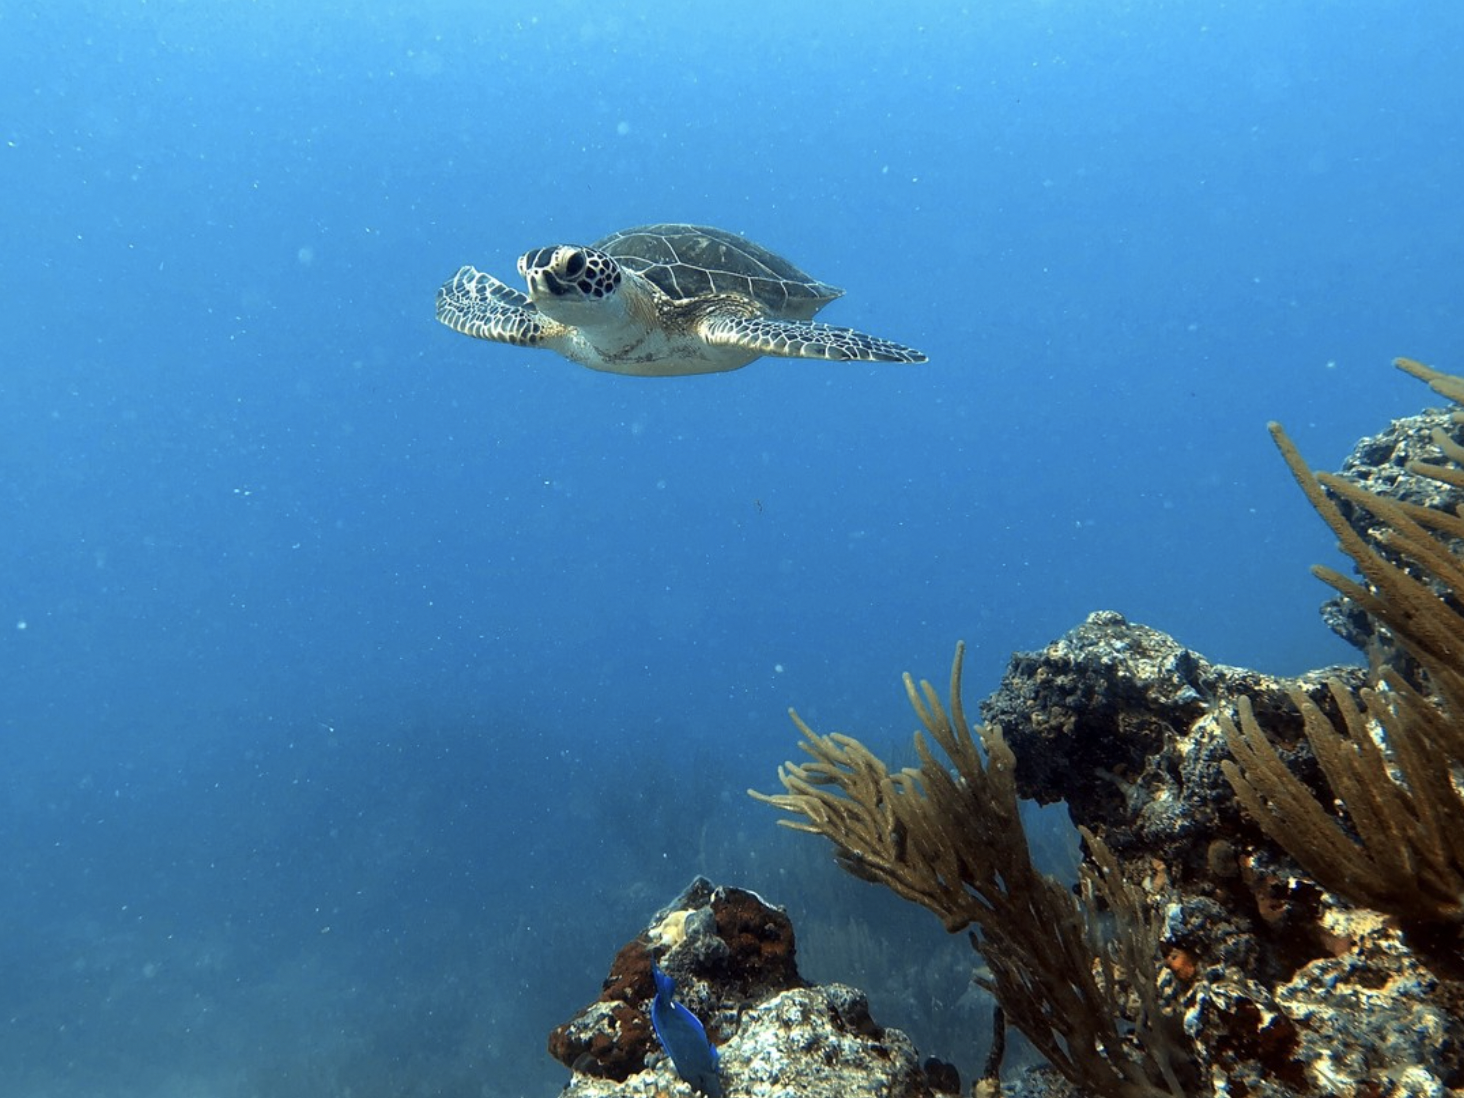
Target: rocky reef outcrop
<point>1245,923</point>
<point>1283,988</point>
<point>733,957</point>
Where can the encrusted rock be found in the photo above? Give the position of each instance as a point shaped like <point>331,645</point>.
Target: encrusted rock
<point>734,961</point>
<point>1284,988</point>
<point>727,949</point>
<point>810,1042</point>
<point>821,1041</point>
<point>1373,1012</point>
<point>1380,465</point>
<point>1108,718</point>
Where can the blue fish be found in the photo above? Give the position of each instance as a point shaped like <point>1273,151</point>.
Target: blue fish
<point>683,1038</point>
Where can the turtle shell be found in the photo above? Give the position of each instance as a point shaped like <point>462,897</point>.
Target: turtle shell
<point>694,260</point>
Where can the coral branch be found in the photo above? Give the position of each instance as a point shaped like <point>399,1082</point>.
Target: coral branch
<point>948,835</point>
<point>1393,762</point>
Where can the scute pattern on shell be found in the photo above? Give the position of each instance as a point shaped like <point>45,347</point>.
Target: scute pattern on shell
<point>687,261</point>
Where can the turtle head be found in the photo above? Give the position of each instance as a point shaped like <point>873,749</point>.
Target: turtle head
<point>568,282</point>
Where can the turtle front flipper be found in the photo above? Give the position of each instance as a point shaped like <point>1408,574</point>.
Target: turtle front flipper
<point>478,305</point>
<point>803,339</point>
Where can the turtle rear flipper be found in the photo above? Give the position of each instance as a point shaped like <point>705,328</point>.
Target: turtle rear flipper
<point>477,304</point>
<point>803,339</point>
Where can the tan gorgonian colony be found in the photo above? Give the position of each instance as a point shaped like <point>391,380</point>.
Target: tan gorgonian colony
<point>948,835</point>
<point>1394,763</point>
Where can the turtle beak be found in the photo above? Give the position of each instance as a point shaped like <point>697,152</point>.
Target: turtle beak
<point>538,266</point>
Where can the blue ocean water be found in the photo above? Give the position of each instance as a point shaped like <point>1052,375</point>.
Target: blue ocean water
<point>365,686</point>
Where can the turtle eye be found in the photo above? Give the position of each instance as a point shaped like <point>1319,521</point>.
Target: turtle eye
<point>574,264</point>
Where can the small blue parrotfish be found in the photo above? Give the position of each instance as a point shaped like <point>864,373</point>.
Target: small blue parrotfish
<point>683,1038</point>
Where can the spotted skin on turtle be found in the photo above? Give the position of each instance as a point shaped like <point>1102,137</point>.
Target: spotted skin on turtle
<point>784,339</point>
<point>660,301</point>
<point>478,305</point>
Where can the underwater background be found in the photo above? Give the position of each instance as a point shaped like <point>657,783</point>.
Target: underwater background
<point>365,686</point>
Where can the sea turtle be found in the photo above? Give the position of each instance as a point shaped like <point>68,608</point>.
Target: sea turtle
<point>659,301</point>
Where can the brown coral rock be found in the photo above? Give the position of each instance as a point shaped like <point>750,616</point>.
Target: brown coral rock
<point>612,1035</point>
<point>762,957</point>
<point>734,959</point>
<point>729,949</point>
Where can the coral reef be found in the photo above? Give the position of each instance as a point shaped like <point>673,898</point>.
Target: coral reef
<point>1271,901</point>
<point>734,962</point>
<point>1109,718</point>
<point>928,834</point>
<point>1283,987</point>
<point>1283,922</point>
